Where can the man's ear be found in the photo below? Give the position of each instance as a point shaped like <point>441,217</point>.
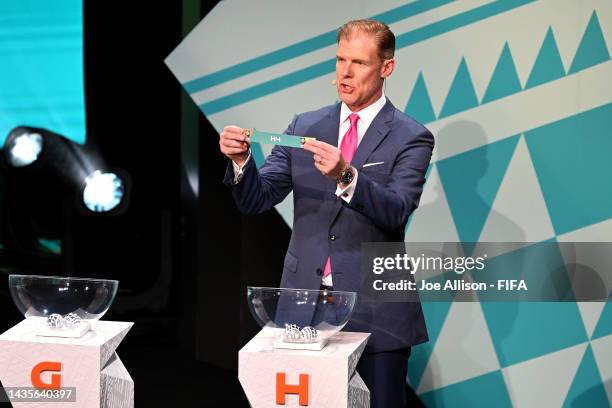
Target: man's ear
<point>387,68</point>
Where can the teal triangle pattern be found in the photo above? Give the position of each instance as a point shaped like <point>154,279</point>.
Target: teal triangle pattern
<point>549,326</point>
<point>419,104</point>
<point>573,200</point>
<point>488,390</point>
<point>435,315</point>
<point>604,325</point>
<point>548,65</point>
<point>592,49</point>
<point>505,80</point>
<point>587,389</point>
<point>461,95</point>
<point>541,265</point>
<point>426,178</point>
<point>471,181</point>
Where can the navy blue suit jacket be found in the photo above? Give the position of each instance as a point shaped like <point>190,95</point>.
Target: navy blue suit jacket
<point>385,196</point>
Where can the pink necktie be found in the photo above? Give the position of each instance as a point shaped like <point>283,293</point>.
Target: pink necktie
<point>348,147</point>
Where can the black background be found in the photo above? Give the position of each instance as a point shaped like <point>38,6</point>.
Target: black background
<point>183,261</point>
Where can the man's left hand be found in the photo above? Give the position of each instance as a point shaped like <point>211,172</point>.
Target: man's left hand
<point>327,158</point>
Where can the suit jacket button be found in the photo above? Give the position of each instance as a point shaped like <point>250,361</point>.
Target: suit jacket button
<point>332,237</point>
<point>319,271</point>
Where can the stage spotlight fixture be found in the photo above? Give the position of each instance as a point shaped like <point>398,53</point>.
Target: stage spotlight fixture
<point>50,183</point>
<point>38,152</point>
<point>103,191</point>
<point>23,148</point>
<point>41,173</point>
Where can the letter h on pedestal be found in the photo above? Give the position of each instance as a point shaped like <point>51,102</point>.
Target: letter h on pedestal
<point>282,389</point>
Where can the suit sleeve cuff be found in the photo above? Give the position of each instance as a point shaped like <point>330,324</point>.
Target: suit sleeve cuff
<point>239,170</point>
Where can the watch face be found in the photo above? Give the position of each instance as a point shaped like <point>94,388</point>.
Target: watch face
<point>347,176</point>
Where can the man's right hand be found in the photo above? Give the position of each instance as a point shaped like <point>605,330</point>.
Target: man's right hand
<point>234,144</point>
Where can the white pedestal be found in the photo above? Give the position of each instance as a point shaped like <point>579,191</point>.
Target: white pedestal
<point>89,364</point>
<point>330,376</point>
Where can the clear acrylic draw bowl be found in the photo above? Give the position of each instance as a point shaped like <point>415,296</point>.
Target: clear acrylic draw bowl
<point>64,306</point>
<point>302,318</point>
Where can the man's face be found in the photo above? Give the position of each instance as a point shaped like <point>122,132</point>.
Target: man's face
<point>359,71</point>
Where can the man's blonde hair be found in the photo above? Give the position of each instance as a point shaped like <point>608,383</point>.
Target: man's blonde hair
<point>380,31</point>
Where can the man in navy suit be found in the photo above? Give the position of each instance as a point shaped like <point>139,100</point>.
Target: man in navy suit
<point>359,181</point>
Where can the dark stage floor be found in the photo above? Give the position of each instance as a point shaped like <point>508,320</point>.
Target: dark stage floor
<point>166,377</point>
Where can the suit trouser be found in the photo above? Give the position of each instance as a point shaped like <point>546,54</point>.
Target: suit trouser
<point>385,375</point>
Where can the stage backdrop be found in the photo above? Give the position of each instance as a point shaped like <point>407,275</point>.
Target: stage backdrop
<point>519,96</point>
<point>41,67</point>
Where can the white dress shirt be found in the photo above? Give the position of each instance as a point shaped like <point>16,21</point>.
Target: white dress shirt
<point>366,116</point>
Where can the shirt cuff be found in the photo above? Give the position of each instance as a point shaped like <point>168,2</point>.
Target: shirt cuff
<point>347,192</point>
<point>238,170</point>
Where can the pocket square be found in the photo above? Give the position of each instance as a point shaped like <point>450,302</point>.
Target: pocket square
<point>371,164</point>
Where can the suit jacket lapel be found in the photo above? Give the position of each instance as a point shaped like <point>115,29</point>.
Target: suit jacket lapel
<point>376,133</point>
<point>378,130</point>
<point>326,130</point>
